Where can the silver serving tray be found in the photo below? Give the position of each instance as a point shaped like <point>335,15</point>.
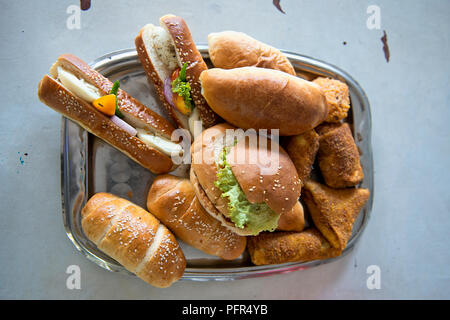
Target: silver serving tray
<point>89,165</point>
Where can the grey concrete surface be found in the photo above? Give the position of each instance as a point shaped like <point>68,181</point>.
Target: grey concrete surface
<point>408,234</point>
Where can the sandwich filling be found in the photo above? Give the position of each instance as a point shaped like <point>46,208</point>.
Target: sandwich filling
<point>91,94</point>
<point>161,50</point>
<point>254,217</point>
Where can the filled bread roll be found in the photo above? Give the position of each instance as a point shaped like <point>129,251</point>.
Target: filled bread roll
<point>282,247</point>
<point>172,200</point>
<point>231,49</point>
<point>228,176</point>
<point>76,91</point>
<point>134,238</point>
<point>163,50</point>
<point>338,156</point>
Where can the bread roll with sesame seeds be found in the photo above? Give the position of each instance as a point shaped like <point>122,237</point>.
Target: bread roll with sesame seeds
<point>164,49</point>
<point>133,237</point>
<point>71,90</point>
<point>263,178</point>
<point>173,201</point>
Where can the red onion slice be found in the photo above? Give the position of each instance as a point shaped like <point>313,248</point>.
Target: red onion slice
<point>123,125</point>
<point>168,91</point>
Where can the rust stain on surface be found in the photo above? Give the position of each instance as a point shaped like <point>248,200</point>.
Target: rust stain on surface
<point>276,3</point>
<point>387,54</point>
<point>85,4</point>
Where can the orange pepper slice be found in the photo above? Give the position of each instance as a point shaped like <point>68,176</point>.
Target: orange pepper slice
<point>181,106</point>
<point>106,104</point>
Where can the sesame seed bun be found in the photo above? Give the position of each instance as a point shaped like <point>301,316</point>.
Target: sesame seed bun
<point>265,174</point>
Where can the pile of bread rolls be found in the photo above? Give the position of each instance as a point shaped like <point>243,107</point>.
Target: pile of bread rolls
<point>224,207</point>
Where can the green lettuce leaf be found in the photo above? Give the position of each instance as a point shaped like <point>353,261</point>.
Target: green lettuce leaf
<point>255,217</point>
<point>181,87</point>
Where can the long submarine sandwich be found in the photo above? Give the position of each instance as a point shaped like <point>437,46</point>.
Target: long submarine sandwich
<point>173,66</point>
<point>83,95</point>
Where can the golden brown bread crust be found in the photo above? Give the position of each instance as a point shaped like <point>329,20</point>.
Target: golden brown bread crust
<point>281,247</point>
<point>259,98</point>
<point>134,238</point>
<point>334,211</point>
<point>293,220</point>
<point>187,53</point>
<point>54,95</point>
<point>279,190</point>
<point>230,49</point>
<point>337,96</point>
<point>154,79</point>
<point>302,149</point>
<point>172,200</point>
<point>204,171</point>
<point>210,208</point>
<point>338,156</point>
<point>126,103</point>
<point>167,264</point>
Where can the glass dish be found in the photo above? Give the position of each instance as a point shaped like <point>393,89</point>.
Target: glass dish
<point>89,165</point>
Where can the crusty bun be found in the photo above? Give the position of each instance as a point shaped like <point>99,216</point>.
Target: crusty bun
<point>52,93</point>
<point>258,98</point>
<point>187,53</point>
<point>279,190</point>
<point>173,201</point>
<point>231,49</point>
<point>282,247</point>
<point>162,49</point>
<point>132,109</point>
<point>134,238</point>
<point>293,220</point>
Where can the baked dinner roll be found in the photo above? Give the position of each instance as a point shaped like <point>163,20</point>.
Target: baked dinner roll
<point>338,156</point>
<point>231,49</point>
<point>172,200</point>
<point>282,247</point>
<point>134,238</point>
<point>293,220</point>
<point>258,98</point>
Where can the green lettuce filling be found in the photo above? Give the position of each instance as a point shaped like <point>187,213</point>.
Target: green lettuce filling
<point>255,217</point>
<point>181,87</point>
